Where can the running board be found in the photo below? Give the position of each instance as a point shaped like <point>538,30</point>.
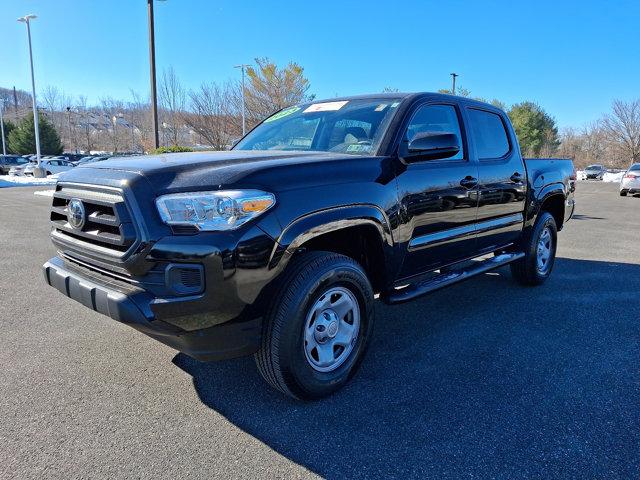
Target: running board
<point>450,277</point>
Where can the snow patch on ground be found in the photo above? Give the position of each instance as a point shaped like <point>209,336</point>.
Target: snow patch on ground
<point>607,177</point>
<point>44,193</point>
<point>613,177</point>
<point>24,181</point>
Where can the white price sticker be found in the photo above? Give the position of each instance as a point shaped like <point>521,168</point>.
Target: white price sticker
<point>325,107</point>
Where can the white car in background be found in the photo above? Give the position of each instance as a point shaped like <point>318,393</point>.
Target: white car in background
<point>50,165</point>
<point>630,182</point>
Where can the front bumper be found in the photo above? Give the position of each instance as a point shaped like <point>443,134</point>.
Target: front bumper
<point>133,306</point>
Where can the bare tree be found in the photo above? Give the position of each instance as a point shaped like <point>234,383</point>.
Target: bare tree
<point>115,128</point>
<point>622,128</point>
<point>140,118</point>
<point>211,117</point>
<point>84,122</point>
<point>172,100</point>
<point>51,97</point>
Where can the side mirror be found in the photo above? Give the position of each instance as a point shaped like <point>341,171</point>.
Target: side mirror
<point>431,146</point>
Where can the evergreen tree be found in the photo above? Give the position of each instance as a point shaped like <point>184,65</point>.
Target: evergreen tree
<point>22,139</point>
<point>8,128</point>
<point>536,130</point>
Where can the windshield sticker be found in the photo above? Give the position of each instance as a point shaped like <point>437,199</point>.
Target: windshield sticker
<point>282,113</point>
<point>381,107</point>
<point>356,147</point>
<point>325,107</point>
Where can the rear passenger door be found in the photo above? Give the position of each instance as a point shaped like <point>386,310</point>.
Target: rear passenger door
<point>438,197</point>
<point>502,179</point>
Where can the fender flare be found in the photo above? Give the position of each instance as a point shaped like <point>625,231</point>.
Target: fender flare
<point>541,196</point>
<point>321,222</point>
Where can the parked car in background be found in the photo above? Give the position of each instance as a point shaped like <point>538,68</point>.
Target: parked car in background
<point>92,159</point>
<point>50,166</point>
<point>18,169</point>
<point>631,181</point>
<point>73,157</point>
<point>9,161</point>
<point>595,172</point>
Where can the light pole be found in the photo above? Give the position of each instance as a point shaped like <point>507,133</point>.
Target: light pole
<point>4,146</point>
<point>453,87</point>
<point>242,66</point>
<point>37,172</point>
<point>152,66</point>
<point>69,121</point>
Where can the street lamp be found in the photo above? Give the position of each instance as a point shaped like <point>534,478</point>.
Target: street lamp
<point>37,172</point>
<point>453,79</point>
<point>152,66</point>
<point>242,66</point>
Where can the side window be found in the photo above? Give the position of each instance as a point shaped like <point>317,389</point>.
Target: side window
<point>489,134</point>
<point>436,118</point>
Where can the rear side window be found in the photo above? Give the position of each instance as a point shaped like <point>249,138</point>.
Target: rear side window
<point>489,134</point>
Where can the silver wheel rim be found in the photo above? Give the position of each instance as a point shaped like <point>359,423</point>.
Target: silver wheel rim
<point>331,329</point>
<point>545,246</point>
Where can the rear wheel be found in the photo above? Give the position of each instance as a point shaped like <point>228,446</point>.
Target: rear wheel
<point>623,193</point>
<point>318,326</point>
<point>540,252</point>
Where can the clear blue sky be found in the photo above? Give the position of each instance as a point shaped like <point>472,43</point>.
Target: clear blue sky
<point>572,57</point>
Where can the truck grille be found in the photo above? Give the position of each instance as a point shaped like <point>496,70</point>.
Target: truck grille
<point>107,226</point>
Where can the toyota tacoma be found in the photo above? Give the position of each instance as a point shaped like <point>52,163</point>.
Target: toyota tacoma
<point>278,247</point>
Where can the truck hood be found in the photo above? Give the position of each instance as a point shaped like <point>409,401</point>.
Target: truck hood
<point>172,172</point>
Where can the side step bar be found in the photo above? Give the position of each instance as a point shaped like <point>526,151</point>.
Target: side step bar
<point>450,277</point>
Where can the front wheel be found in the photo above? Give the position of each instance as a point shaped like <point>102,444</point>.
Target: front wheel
<point>540,252</point>
<point>318,326</point>
<point>623,193</point>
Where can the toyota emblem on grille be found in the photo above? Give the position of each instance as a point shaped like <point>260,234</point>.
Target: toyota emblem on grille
<point>76,213</point>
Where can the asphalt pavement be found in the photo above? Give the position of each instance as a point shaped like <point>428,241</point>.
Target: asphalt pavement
<point>486,379</point>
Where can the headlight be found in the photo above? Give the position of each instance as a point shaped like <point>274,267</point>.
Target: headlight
<point>214,211</point>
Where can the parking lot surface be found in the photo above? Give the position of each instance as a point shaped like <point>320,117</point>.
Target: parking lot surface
<point>486,379</point>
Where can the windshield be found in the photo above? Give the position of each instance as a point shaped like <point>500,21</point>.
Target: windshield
<point>346,126</point>
<point>594,167</point>
<point>635,167</point>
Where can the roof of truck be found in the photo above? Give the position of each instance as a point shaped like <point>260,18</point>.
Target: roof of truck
<point>404,95</point>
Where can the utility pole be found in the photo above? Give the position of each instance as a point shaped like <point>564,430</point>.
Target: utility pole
<point>242,66</point>
<point>37,172</point>
<point>152,66</point>
<point>69,120</point>
<point>4,146</point>
<point>453,87</point>
<point>15,104</point>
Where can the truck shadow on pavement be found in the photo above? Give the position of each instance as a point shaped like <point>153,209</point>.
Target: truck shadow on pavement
<point>483,379</point>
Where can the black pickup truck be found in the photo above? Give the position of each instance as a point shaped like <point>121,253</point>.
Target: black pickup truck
<point>279,246</point>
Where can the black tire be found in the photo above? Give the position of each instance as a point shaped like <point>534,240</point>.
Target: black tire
<point>48,172</point>
<point>526,270</point>
<point>282,360</point>
<point>623,193</point>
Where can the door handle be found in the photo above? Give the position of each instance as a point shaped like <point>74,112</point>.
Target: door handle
<point>516,177</point>
<point>469,182</point>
